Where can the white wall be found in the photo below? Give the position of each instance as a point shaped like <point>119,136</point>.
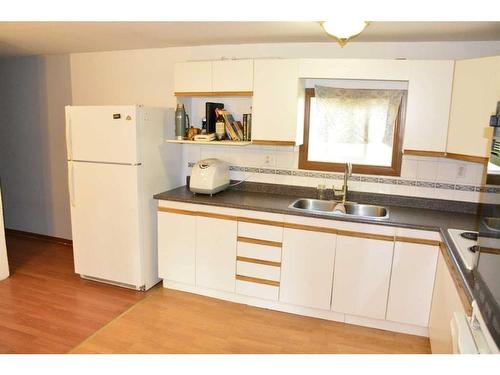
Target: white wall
<point>33,173</point>
<point>34,91</point>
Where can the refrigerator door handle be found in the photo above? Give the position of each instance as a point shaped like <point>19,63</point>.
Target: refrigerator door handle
<point>69,144</point>
<point>71,183</point>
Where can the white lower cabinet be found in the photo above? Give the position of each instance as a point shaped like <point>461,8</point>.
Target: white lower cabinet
<point>215,253</point>
<point>445,302</point>
<point>176,247</point>
<point>412,282</point>
<point>361,277</point>
<point>307,268</point>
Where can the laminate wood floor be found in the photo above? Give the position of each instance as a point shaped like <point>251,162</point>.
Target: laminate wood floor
<point>169,321</point>
<point>45,307</point>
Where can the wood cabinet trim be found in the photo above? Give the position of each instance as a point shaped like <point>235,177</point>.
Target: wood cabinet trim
<point>259,242</point>
<point>213,93</point>
<point>420,241</point>
<point>432,154</point>
<point>456,279</point>
<point>469,158</point>
<point>260,221</point>
<point>258,261</point>
<point>257,280</point>
<point>264,142</point>
<point>449,155</point>
<point>371,236</point>
<point>310,228</point>
<point>176,211</point>
<point>217,216</point>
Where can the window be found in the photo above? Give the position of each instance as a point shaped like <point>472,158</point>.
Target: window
<point>361,126</point>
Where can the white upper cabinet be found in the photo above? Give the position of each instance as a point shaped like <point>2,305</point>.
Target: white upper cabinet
<point>307,268</point>
<point>428,105</point>
<point>214,76</point>
<point>412,282</point>
<point>361,276</point>
<point>193,76</point>
<point>476,90</point>
<point>232,75</point>
<point>278,101</point>
<point>216,253</point>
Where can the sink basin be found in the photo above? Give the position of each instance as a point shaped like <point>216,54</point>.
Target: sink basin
<point>352,209</point>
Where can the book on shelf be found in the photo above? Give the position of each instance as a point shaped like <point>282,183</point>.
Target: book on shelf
<point>238,129</point>
<point>247,126</point>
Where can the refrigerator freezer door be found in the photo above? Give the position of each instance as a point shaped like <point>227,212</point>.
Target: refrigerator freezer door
<point>105,221</point>
<point>106,134</point>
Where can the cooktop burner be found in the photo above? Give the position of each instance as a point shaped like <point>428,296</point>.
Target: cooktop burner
<point>474,248</point>
<point>469,235</point>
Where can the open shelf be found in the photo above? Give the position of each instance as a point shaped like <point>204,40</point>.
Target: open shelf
<point>213,93</point>
<point>213,143</point>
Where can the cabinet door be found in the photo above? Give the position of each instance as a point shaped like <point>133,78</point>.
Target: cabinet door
<point>445,301</point>
<point>193,77</point>
<point>176,247</point>
<point>428,105</point>
<point>361,276</point>
<point>307,268</point>
<point>277,101</point>
<point>412,282</point>
<point>232,75</point>
<point>216,253</point>
<point>476,90</point>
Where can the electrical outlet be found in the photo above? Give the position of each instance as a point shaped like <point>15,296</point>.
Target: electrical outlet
<point>461,170</point>
<point>269,159</point>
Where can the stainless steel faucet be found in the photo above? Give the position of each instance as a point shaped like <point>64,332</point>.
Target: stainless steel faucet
<point>347,174</point>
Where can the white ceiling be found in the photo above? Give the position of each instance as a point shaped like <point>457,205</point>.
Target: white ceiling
<point>34,38</point>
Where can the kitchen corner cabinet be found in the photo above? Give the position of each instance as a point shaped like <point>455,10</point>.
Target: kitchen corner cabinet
<point>445,301</point>
<point>361,276</point>
<point>412,283</point>
<point>476,90</point>
<point>307,268</point>
<point>278,101</point>
<point>176,247</point>
<point>224,76</point>
<point>215,253</point>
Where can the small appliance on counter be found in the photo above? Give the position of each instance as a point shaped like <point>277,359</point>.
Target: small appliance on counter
<point>209,176</point>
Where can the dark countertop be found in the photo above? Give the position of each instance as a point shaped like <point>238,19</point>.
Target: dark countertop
<point>408,217</point>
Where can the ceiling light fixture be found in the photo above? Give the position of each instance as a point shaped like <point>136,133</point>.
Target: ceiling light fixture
<point>344,29</point>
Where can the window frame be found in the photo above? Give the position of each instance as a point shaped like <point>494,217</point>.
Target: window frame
<point>397,146</point>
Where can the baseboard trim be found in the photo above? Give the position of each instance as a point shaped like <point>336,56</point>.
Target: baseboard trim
<point>299,310</point>
<point>42,237</point>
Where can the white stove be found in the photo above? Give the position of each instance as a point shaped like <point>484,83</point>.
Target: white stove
<point>466,244</point>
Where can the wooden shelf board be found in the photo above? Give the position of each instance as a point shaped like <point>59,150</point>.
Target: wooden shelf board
<point>220,93</point>
<point>213,143</point>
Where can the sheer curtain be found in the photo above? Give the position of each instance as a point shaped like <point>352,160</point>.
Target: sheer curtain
<point>361,121</point>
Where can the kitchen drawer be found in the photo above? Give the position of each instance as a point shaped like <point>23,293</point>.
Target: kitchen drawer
<point>260,271</point>
<point>250,289</point>
<point>260,231</point>
<point>257,251</point>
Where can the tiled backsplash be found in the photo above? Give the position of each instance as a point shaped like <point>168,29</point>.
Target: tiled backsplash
<point>438,178</point>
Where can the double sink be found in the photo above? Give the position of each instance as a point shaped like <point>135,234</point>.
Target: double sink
<point>352,209</point>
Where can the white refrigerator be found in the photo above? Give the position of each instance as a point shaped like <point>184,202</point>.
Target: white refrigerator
<point>117,161</point>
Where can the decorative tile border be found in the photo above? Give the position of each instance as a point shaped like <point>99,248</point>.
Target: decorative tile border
<point>372,179</point>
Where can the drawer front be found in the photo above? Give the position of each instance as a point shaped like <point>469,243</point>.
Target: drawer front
<point>260,231</point>
<point>250,289</point>
<point>260,271</point>
<point>257,251</point>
